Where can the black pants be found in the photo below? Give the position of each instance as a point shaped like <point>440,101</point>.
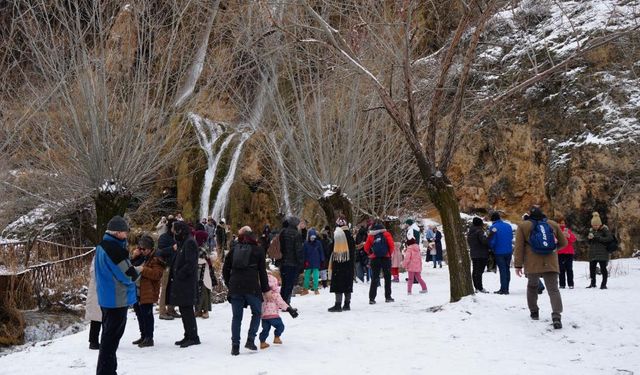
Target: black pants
<point>479,265</point>
<point>189,322</point>
<point>378,264</point>
<point>144,312</point>
<point>566,269</point>
<point>94,332</point>
<point>603,270</point>
<point>113,324</point>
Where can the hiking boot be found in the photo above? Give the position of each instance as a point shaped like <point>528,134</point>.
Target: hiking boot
<point>389,300</point>
<point>235,349</point>
<point>138,341</point>
<point>146,343</point>
<point>173,314</point>
<point>189,342</point>
<point>276,340</point>
<point>304,292</point>
<point>165,317</point>
<point>535,315</point>
<point>347,306</point>
<point>250,345</point>
<point>264,345</point>
<point>335,308</point>
<point>557,324</point>
<point>94,346</point>
<point>205,315</point>
<point>372,302</point>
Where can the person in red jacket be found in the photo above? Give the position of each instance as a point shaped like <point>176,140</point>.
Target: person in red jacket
<point>565,255</point>
<point>379,247</point>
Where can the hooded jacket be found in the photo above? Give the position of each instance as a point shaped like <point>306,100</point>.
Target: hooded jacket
<point>272,306</point>
<point>478,243</point>
<point>313,252</point>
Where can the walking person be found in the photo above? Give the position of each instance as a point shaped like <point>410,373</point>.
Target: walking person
<point>291,247</point>
<point>566,254</point>
<point>362,259</point>
<point>92,310</point>
<point>245,274</point>
<point>437,240</point>
<point>116,289</point>
<point>313,258</point>
<point>342,266</point>
<point>151,269</point>
<point>500,241</point>
<point>413,264</point>
<point>535,250</point>
<point>210,227</point>
<point>379,248</point>
<point>396,262</point>
<point>479,251</point>
<point>184,283</point>
<point>167,247</point>
<point>599,236</point>
<point>271,314</point>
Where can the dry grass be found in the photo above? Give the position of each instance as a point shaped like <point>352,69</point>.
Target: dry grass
<point>11,323</point>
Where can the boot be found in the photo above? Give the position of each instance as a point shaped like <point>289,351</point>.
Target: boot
<point>592,285</point>
<point>603,286</point>
<point>250,345</point>
<point>165,317</point>
<point>335,308</point>
<point>189,342</point>
<point>396,279</point>
<point>389,300</point>
<point>138,341</point>
<point>316,292</point>
<point>276,340</point>
<point>535,315</point>
<point>304,292</point>
<point>94,346</point>
<point>235,349</point>
<point>324,284</point>
<point>173,313</point>
<point>198,314</point>
<point>146,343</point>
<point>205,315</point>
<point>425,291</point>
<point>263,345</point>
<point>557,324</point>
<point>347,306</point>
<point>180,341</point>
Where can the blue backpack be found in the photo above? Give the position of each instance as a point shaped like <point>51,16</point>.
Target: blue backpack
<point>380,246</point>
<point>541,239</point>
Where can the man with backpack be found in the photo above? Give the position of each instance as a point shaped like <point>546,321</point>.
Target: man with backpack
<point>537,241</point>
<point>379,247</point>
<point>245,274</point>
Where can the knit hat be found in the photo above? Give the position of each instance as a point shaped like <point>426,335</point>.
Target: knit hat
<point>146,242</point>
<point>118,224</point>
<point>595,220</point>
<point>477,222</point>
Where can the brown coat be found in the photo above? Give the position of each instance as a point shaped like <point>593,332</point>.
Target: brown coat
<point>536,263</point>
<point>150,280</point>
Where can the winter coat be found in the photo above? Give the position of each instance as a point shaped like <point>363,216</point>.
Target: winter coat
<point>153,268</point>
<point>313,254</point>
<point>115,276</point>
<point>165,248</point>
<point>412,260</point>
<point>369,243</point>
<point>501,238</point>
<point>598,245</point>
<point>184,275</point>
<point>291,247</point>
<point>250,280</point>
<point>396,257</point>
<point>536,263</point>
<point>201,237</point>
<point>438,242</point>
<point>478,243</point>
<point>571,238</point>
<point>221,236</point>
<point>327,248</point>
<point>92,309</point>
<point>272,306</point>
<point>211,231</point>
<point>342,273</point>
<point>361,238</point>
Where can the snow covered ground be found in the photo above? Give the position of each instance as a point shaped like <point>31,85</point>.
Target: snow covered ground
<point>418,334</point>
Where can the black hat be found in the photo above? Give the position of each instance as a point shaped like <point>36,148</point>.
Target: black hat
<point>118,224</point>
<point>536,213</point>
<point>477,222</point>
<point>146,242</point>
<point>495,216</point>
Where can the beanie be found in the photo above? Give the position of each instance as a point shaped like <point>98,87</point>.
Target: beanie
<point>477,221</point>
<point>595,220</point>
<point>117,224</point>
<point>146,242</point>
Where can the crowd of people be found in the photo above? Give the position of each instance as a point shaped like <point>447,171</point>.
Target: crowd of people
<point>263,272</point>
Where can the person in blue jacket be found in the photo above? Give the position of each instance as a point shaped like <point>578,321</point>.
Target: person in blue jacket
<point>501,242</point>
<point>313,258</point>
<point>116,290</point>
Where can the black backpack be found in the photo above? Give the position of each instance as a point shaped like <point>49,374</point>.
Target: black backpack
<point>612,245</point>
<point>242,256</point>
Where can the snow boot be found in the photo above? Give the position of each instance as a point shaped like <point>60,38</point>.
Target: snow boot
<point>263,345</point>
<point>535,315</point>
<point>138,341</point>
<point>557,324</point>
<point>389,300</point>
<point>250,345</point>
<point>146,343</point>
<point>335,308</point>
<point>276,340</point>
<point>592,285</point>
<point>180,341</point>
<point>603,286</point>
<point>188,342</point>
<point>347,306</point>
<point>94,346</point>
<point>235,349</point>
<point>372,302</point>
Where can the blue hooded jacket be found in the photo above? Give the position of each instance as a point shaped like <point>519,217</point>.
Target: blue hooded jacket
<point>115,276</point>
<point>313,251</point>
<point>501,238</point>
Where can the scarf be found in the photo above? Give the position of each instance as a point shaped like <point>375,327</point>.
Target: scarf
<point>340,247</point>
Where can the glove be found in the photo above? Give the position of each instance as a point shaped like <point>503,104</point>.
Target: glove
<point>293,312</point>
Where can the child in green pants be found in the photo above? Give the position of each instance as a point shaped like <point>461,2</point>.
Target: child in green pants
<point>313,257</point>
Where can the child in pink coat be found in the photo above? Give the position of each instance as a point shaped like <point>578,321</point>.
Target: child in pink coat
<point>413,264</point>
<point>271,313</point>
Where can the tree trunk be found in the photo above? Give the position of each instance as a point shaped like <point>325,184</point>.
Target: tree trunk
<point>443,197</point>
<point>335,205</point>
<point>108,205</point>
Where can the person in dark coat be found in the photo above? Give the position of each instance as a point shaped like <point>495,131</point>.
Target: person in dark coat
<point>313,258</point>
<point>292,262</point>
<point>438,241</point>
<point>167,247</point>
<point>327,248</point>
<point>599,236</point>
<point>479,251</point>
<point>184,283</point>
<point>221,237</point>
<point>245,274</point>
<point>342,266</point>
<point>362,260</point>
<point>380,262</point>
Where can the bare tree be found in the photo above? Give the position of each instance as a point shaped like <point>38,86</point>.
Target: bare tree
<point>114,81</point>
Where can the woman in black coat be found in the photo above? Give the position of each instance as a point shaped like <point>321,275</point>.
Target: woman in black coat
<point>184,284</point>
<point>479,251</point>
<point>342,266</point>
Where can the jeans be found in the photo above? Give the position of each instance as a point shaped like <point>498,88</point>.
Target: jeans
<point>238,302</point>
<point>144,312</point>
<point>566,269</point>
<point>503,261</point>
<point>94,332</point>
<point>189,324</point>
<point>479,265</point>
<point>276,323</point>
<point>603,269</point>
<point>378,264</point>
<point>551,280</point>
<point>113,323</point>
<point>289,278</point>
<point>309,272</point>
